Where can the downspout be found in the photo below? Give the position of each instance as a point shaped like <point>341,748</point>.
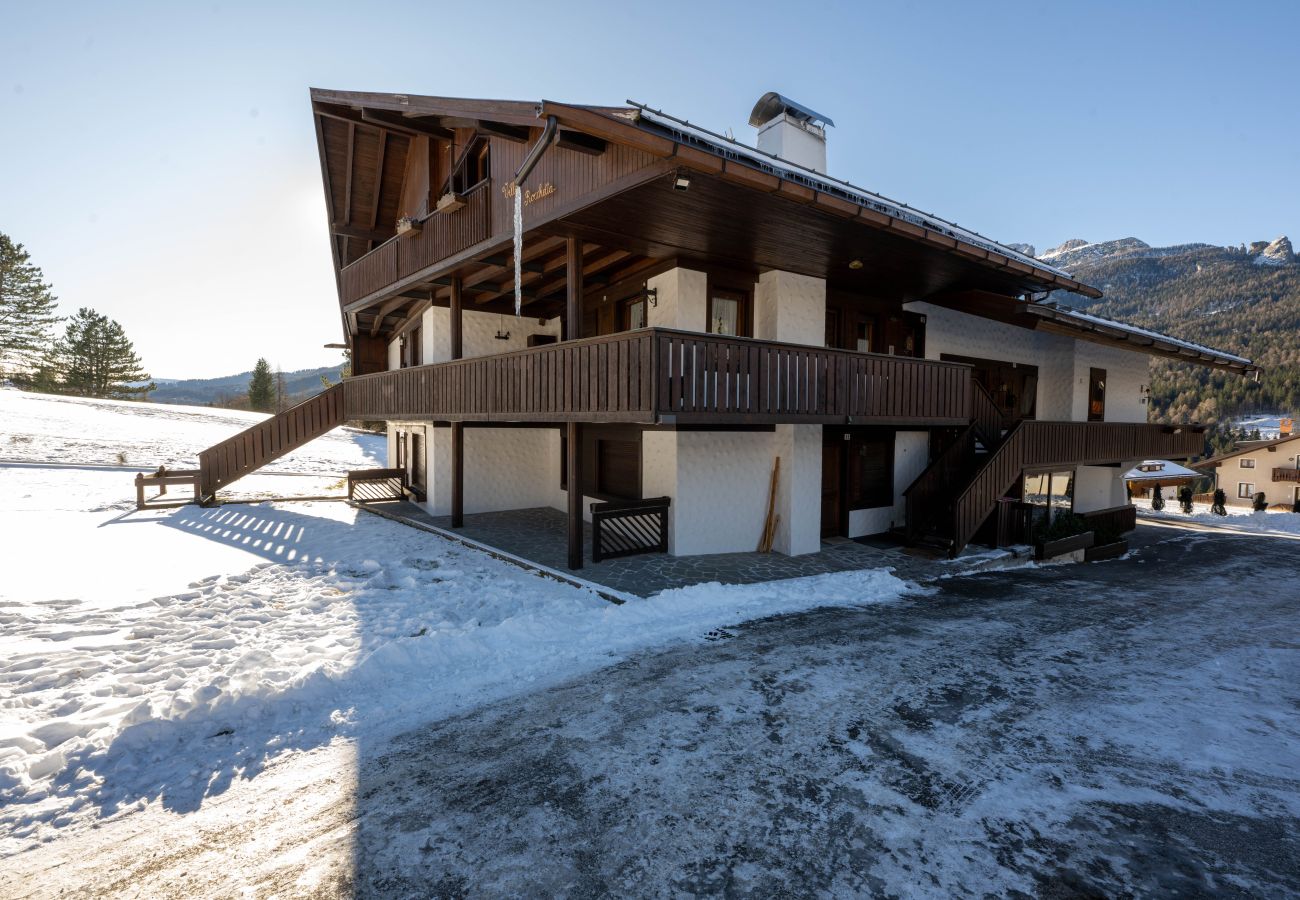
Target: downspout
<point>534,156</point>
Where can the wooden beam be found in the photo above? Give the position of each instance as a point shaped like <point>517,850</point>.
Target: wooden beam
<point>454,329</point>
<point>379,186</point>
<point>356,231</point>
<point>572,470</point>
<point>457,475</point>
<point>590,272</point>
<point>384,310</point>
<point>581,143</point>
<point>396,122</point>
<point>347,190</point>
<point>515,133</point>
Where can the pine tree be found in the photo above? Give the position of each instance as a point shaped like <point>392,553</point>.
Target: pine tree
<point>1185,498</point>
<point>27,316</point>
<point>261,388</point>
<point>1157,498</point>
<point>96,359</point>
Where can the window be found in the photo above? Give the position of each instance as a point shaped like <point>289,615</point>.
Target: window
<point>1247,463</point>
<point>862,342</point>
<point>632,313</point>
<point>1245,491</point>
<point>1051,493</point>
<point>411,346</point>
<point>728,312</point>
<point>1096,395</point>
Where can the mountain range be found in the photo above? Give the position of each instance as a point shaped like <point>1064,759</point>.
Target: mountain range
<point>1244,299</point>
<point>232,390</point>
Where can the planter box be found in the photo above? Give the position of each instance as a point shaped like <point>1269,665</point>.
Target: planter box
<point>1053,549</point>
<point>1105,551</point>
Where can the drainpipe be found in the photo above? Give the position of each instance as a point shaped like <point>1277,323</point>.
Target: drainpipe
<point>535,154</point>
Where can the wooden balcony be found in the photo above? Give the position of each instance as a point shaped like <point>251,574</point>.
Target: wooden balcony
<point>442,235</point>
<point>1281,474</point>
<point>657,375</point>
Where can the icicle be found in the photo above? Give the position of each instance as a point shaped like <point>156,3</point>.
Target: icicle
<point>519,248</point>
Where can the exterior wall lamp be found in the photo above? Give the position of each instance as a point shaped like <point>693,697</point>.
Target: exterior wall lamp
<point>682,182</point>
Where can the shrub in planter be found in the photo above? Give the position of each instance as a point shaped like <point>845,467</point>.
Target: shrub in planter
<point>1185,498</point>
<point>1157,499</point>
<point>1219,506</point>
<point>1065,534</point>
<point>1259,503</point>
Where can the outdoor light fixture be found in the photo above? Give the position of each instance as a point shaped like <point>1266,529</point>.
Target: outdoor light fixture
<point>651,296</point>
<point>682,182</point>
<point>855,264</point>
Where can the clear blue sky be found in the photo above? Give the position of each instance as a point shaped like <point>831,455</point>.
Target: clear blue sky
<point>159,162</point>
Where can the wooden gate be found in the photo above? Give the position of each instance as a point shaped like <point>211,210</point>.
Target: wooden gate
<point>628,527</point>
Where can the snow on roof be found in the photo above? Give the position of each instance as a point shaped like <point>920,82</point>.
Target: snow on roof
<point>730,148</point>
<point>1159,470</point>
<point>1103,322</point>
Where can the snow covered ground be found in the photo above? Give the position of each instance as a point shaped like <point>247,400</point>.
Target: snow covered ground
<point>1244,520</point>
<point>152,660</point>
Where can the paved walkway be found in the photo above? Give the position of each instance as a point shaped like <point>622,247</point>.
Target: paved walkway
<point>539,535</point>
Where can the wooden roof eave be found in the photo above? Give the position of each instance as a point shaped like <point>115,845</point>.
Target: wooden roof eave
<point>611,128</point>
<point>511,112</point>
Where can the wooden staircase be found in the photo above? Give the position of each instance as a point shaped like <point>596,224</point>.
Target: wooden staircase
<point>254,447</point>
<point>952,498</point>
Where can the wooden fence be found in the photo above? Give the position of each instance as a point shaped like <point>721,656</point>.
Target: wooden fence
<point>659,375</point>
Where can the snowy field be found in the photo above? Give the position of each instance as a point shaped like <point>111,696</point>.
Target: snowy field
<point>152,661</point>
<point>1240,519</point>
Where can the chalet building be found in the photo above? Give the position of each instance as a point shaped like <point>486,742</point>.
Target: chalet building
<point>686,310</point>
<point>1271,468</point>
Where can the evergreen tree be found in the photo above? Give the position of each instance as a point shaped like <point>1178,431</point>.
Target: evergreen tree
<point>1219,506</point>
<point>27,316</point>
<point>1185,498</point>
<point>96,359</point>
<point>1260,503</point>
<point>1157,498</point>
<point>261,388</point>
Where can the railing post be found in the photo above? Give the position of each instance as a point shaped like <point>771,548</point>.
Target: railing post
<point>457,474</point>
<point>573,472</point>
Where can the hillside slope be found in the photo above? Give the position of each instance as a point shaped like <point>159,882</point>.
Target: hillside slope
<point>1243,299</point>
<point>299,385</point>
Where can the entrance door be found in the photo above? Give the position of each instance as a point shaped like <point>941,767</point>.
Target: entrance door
<point>832,495</point>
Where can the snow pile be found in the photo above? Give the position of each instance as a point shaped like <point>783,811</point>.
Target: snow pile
<point>45,428</point>
<point>159,656</point>
<point>1239,518</point>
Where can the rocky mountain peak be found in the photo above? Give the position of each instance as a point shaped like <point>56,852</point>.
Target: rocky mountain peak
<point>1278,253</point>
<point>1027,249</point>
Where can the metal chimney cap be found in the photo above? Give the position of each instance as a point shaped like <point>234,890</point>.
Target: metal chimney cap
<point>772,104</point>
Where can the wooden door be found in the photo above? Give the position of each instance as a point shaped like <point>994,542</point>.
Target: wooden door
<point>832,485</point>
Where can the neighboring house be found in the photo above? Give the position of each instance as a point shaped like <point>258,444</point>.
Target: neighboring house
<point>693,309</point>
<point>1268,467</point>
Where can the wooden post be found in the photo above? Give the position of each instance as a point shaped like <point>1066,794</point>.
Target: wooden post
<point>573,282</point>
<point>573,477</point>
<point>457,474</point>
<point>139,491</point>
<point>573,331</point>
<point>454,330</point>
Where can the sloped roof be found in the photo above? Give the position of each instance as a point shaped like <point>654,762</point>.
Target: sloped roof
<point>1242,451</point>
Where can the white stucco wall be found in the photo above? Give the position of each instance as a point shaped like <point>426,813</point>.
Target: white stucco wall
<point>1062,363</point>
<point>911,456</point>
<point>478,333</point>
<point>505,468</point>
<point>790,307</point>
<point>1098,487</point>
<point>394,354</point>
<point>681,300</point>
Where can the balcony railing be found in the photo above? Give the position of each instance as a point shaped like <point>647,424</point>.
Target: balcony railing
<point>442,235</point>
<point>658,375</point>
<point>1292,474</point>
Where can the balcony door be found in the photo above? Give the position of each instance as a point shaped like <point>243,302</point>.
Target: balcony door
<point>1096,395</point>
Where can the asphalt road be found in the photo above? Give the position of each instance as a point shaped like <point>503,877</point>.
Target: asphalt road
<point>1124,728</point>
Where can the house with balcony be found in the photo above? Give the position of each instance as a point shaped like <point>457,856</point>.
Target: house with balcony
<point>578,307</point>
<point>1271,468</point>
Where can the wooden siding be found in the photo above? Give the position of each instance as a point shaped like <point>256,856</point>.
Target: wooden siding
<point>443,235</point>
<point>270,439</point>
<point>658,375</point>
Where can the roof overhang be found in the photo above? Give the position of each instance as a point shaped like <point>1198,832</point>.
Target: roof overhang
<point>1037,316</point>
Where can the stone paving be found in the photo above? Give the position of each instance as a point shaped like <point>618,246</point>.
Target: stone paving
<point>539,535</point>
